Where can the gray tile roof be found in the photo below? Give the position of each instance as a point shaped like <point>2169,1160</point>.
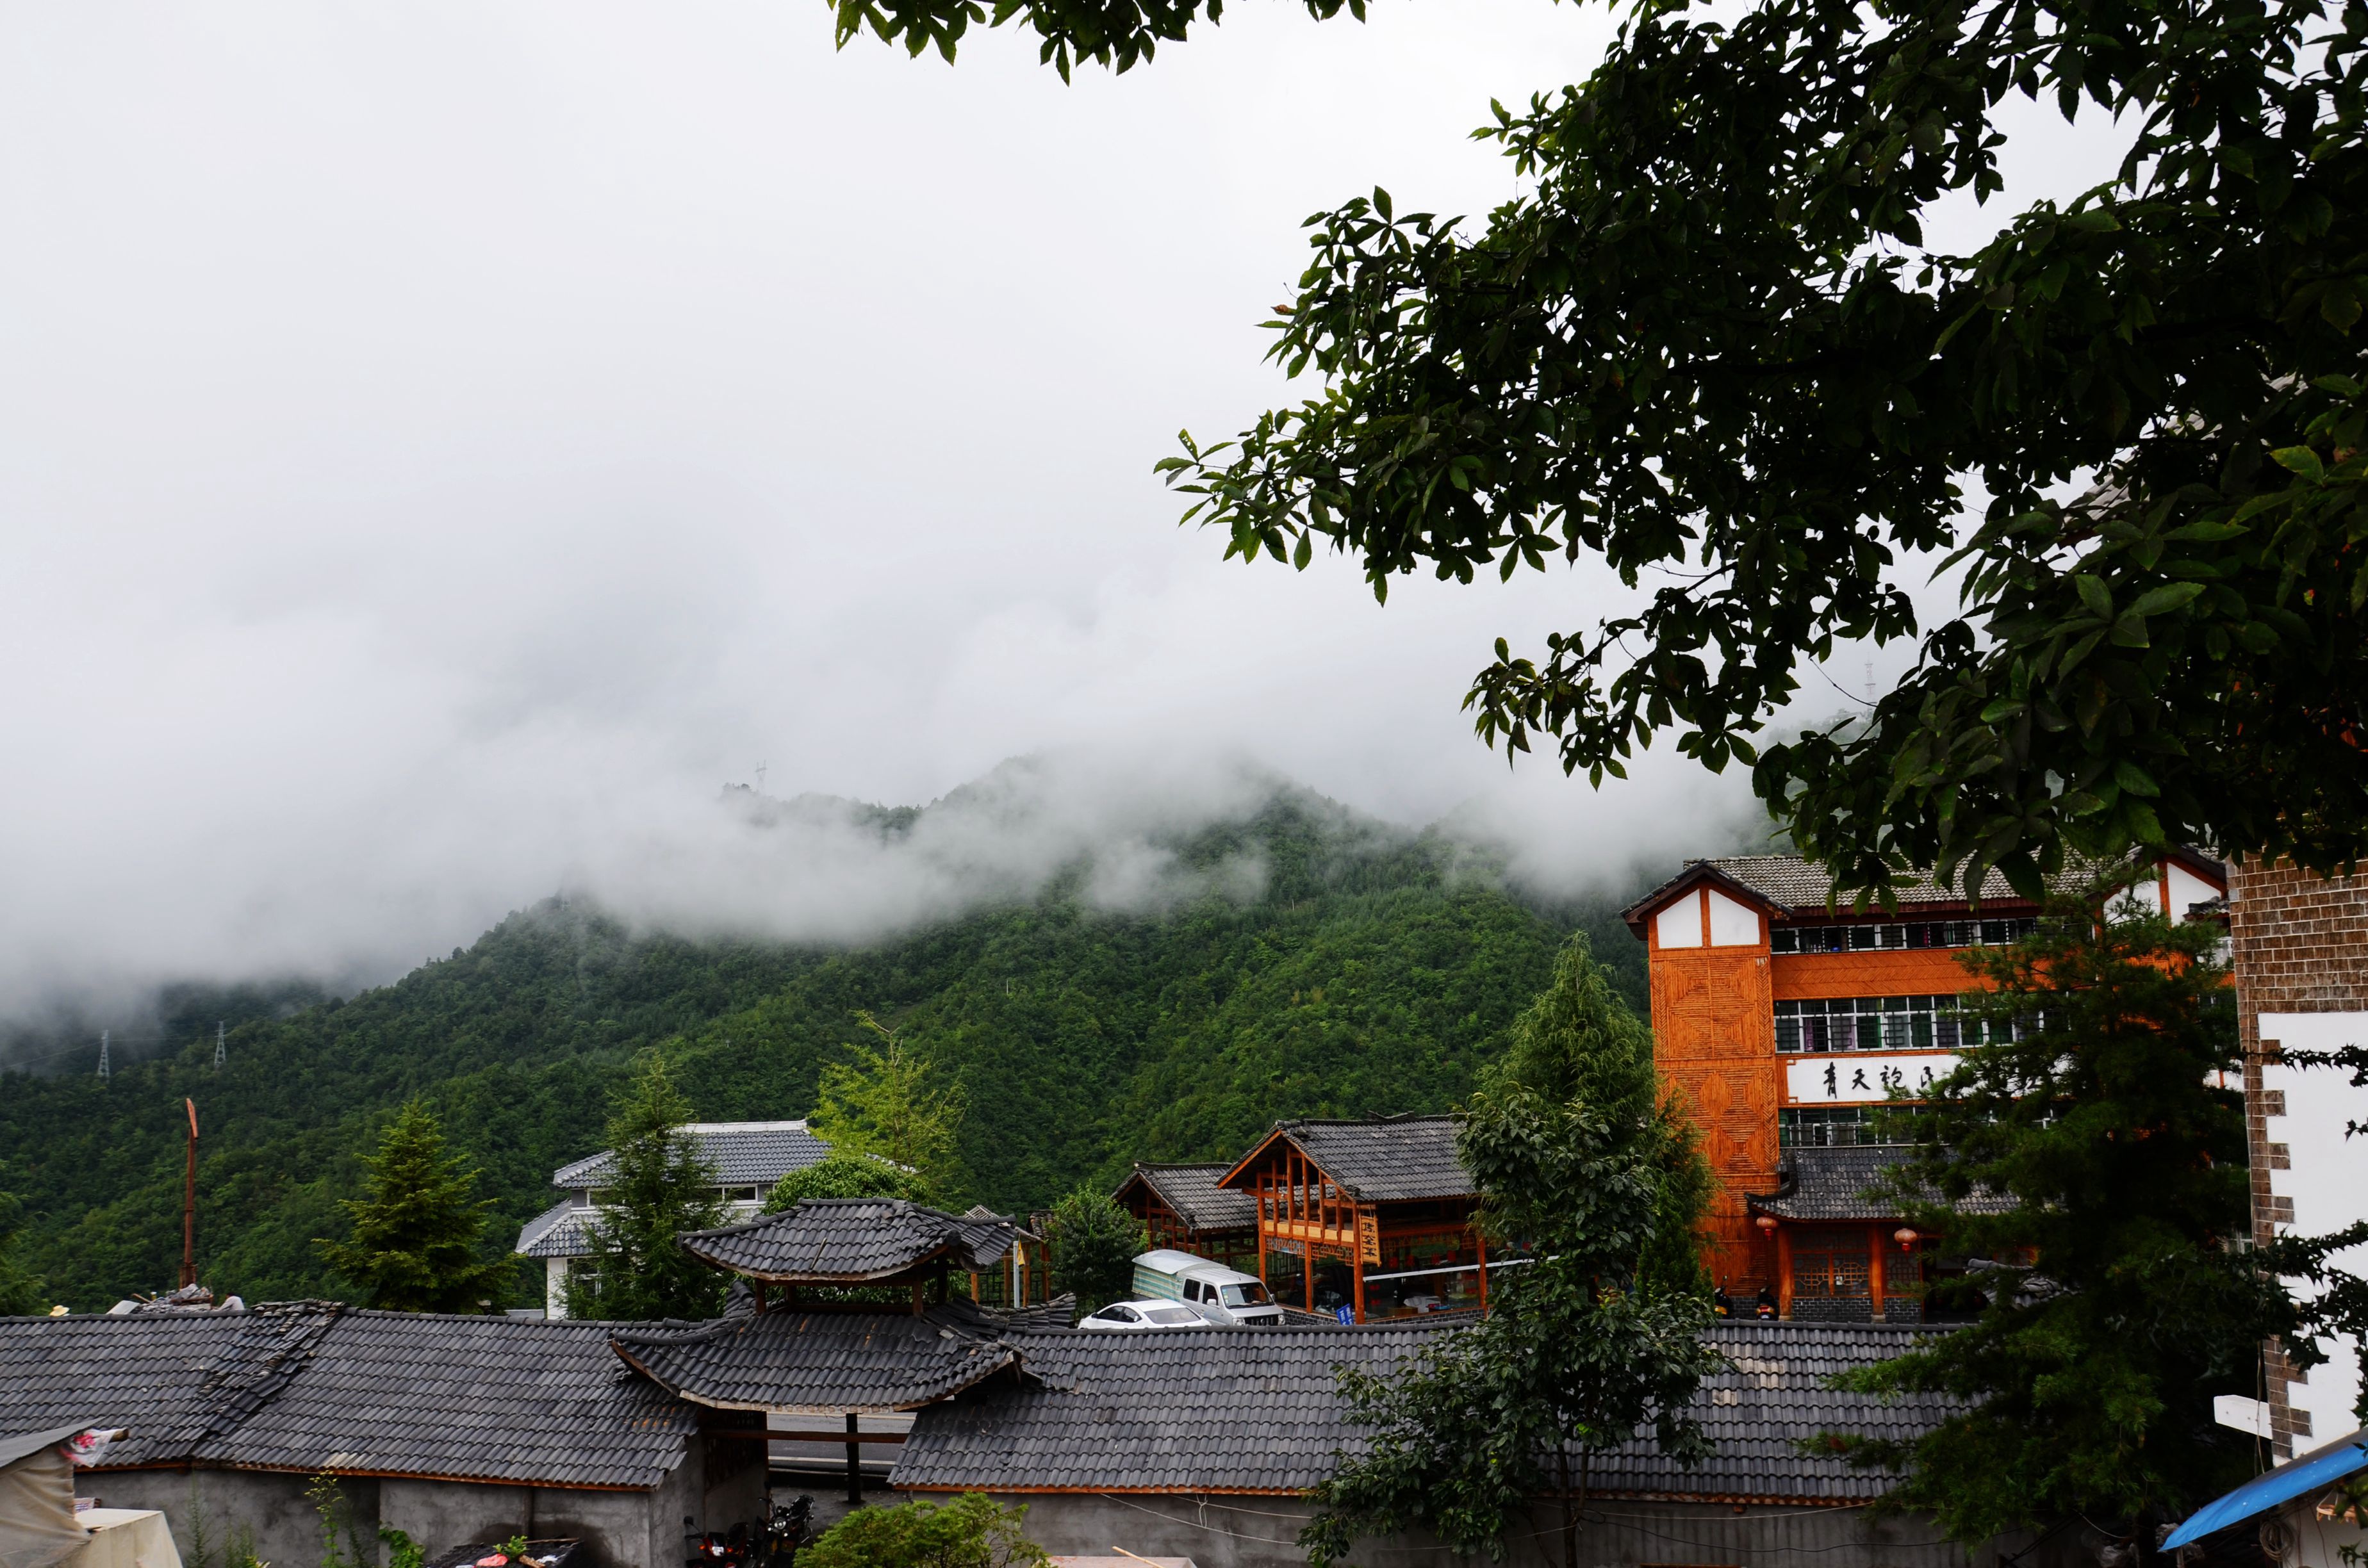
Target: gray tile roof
<point>820,1362</point>
<point>312,1386</point>
<point>824,1240</point>
<point>166,1376</point>
<point>1834,1184</point>
<point>1192,1191</point>
<point>557,1231</point>
<point>1394,1159</point>
<point>1259,1411</point>
<point>476,1398</point>
<point>1799,887</point>
<point>745,1154</point>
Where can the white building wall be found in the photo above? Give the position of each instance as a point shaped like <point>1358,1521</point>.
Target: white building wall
<point>2326,1178</point>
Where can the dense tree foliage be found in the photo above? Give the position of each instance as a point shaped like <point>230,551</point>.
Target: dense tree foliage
<point>842,1174</point>
<point>1572,1151</point>
<point>893,1106</point>
<point>969,1531</point>
<point>418,1243</point>
<point>1712,346</point>
<point>658,1187</point>
<point>1380,970</point>
<point>2112,1154</point>
<point>21,1292</point>
<point>1094,1242</point>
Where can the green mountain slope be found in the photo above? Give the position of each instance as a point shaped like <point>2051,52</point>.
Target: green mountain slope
<point>1377,971</point>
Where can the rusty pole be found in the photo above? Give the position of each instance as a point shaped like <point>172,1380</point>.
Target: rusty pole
<point>189,1204</point>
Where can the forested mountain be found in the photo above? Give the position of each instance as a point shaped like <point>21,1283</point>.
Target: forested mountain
<point>1376,970</point>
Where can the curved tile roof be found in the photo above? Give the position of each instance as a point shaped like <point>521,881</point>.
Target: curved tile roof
<point>1840,1184</point>
<point>1228,1410</point>
<point>820,1362</point>
<point>850,1241</point>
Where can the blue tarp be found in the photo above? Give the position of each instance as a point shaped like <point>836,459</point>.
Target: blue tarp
<point>2321,1467</point>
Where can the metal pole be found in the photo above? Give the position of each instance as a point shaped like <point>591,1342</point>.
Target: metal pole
<point>854,1464</point>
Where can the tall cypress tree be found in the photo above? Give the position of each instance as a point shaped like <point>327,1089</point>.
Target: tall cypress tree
<point>659,1185</point>
<point>2116,1297</point>
<point>418,1230</point>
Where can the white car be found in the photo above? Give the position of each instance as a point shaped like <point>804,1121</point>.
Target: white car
<point>1133,1317</point>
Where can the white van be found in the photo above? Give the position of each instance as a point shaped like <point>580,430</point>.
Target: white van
<point>1222,1294</point>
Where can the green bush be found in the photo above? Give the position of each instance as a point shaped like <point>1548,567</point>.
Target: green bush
<point>1093,1243</point>
<point>969,1532</point>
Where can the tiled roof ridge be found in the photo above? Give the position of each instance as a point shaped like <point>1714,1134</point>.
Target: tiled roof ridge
<point>893,1205</point>
<point>1401,1120</point>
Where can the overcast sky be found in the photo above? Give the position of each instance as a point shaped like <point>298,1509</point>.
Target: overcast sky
<point>440,443</point>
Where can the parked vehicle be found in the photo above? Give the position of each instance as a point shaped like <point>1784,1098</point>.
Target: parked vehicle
<point>1221,1294</point>
<point>1134,1317</point>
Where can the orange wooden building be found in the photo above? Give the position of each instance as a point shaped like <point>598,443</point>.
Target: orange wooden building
<point>1783,1024</point>
<point>1182,1206</point>
<point>1365,1220</point>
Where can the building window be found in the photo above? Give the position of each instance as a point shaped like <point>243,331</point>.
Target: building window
<point>1911,934</point>
<point>1825,1127</point>
<point>1829,1264</point>
<point>1879,1023</point>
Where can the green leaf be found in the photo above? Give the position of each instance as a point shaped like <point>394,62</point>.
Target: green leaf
<point>2301,461</point>
<point>2168,597</point>
<point>2134,779</point>
<point>2095,595</point>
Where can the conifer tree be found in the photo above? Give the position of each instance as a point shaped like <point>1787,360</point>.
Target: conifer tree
<point>2115,1298</point>
<point>1579,1164</point>
<point>659,1185</point>
<point>418,1228</point>
<point>887,1103</point>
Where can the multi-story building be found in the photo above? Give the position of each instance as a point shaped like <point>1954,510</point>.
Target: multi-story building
<point>2301,953</point>
<point>1783,1024</point>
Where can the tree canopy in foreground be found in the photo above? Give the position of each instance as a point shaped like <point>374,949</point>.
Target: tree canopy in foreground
<point>1713,349</point>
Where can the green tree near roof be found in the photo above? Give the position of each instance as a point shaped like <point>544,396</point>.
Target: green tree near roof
<point>1710,345</point>
<point>419,1229</point>
<point>659,1185</point>
<point>1093,1241</point>
<point>1579,1164</point>
<point>22,1292</point>
<point>889,1103</point>
<point>843,1172</point>
<point>2096,1112</point>
<point>969,1532</point>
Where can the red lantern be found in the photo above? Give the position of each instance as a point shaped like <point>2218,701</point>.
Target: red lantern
<point>1905,1237</point>
<point>1767,1222</point>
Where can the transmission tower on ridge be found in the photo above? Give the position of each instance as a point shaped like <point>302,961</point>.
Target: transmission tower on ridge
<point>218,1045</point>
<point>106,1071</point>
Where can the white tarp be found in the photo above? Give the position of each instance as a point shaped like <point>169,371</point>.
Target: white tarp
<point>38,1527</point>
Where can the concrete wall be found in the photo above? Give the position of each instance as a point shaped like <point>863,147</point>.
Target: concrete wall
<point>1261,1532</point>
<point>271,1506</point>
<point>625,1529</point>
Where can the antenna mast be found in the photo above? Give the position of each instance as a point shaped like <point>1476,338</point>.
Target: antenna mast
<point>218,1045</point>
<point>189,1204</point>
<point>104,1072</point>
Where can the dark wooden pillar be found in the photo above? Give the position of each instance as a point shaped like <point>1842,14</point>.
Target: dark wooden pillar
<point>854,1464</point>
<point>1874,1271</point>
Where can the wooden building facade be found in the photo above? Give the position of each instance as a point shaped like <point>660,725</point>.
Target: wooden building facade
<point>1365,1220</point>
<point>1183,1208</point>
